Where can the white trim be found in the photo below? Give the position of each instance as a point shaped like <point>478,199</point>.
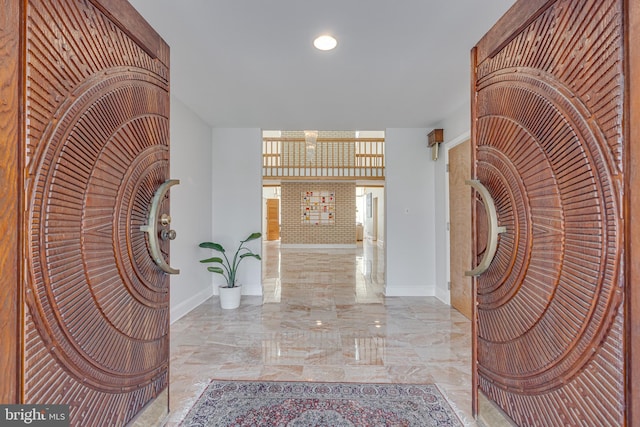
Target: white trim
<point>255,289</point>
<point>444,296</point>
<point>187,305</point>
<point>458,140</point>
<point>318,246</point>
<point>410,291</point>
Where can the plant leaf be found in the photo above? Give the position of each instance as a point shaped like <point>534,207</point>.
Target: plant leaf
<point>213,259</point>
<point>256,256</point>
<point>216,270</point>
<point>211,245</point>
<point>253,236</point>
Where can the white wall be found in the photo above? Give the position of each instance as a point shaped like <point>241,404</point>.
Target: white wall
<point>236,161</point>
<point>456,129</point>
<point>379,192</point>
<point>410,214</point>
<point>376,192</point>
<point>206,206</point>
<point>190,207</point>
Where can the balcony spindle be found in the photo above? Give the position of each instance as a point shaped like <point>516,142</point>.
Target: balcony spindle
<point>329,158</point>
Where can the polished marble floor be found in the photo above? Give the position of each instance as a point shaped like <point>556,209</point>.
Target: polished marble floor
<point>323,317</point>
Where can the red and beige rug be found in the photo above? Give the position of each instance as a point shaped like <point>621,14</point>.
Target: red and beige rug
<point>304,404</point>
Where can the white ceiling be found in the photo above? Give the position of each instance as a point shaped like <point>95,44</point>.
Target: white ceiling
<point>251,63</point>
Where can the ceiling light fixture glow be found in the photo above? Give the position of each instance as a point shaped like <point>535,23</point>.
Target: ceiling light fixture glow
<point>325,42</point>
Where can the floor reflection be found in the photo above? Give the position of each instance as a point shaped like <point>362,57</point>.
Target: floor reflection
<point>323,316</point>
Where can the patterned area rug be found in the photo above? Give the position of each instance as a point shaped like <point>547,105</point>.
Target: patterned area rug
<point>304,404</point>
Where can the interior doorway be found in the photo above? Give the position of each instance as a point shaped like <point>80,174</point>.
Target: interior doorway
<point>328,163</point>
<point>271,209</point>
<point>374,219</point>
<point>370,212</point>
<point>273,219</point>
<point>460,227</point>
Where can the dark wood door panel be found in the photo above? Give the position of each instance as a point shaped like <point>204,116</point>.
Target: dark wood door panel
<point>548,134</point>
<point>10,202</point>
<point>95,149</point>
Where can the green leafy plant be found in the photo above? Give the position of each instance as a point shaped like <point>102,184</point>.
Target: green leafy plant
<point>229,269</point>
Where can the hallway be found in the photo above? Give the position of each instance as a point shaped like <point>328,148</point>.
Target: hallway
<point>324,318</point>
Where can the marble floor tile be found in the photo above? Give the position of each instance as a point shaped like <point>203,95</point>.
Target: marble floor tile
<point>323,316</point>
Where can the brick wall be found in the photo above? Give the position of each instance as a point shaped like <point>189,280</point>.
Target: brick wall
<point>293,231</point>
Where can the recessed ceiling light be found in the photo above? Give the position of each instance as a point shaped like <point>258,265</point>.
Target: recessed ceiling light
<point>325,42</point>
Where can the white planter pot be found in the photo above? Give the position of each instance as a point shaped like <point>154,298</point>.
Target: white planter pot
<point>230,297</point>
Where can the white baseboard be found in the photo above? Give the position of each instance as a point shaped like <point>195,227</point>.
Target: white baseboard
<point>410,291</point>
<point>255,289</point>
<point>444,296</point>
<point>178,311</point>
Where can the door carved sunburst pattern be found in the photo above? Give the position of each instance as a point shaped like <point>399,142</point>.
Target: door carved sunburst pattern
<point>548,133</point>
<point>97,306</point>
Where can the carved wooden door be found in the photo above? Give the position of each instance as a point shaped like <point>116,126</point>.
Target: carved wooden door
<point>548,130</point>
<point>92,175</point>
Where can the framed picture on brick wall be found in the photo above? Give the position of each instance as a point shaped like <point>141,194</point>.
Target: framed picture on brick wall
<point>318,207</point>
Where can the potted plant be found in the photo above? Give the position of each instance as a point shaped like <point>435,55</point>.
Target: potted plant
<point>229,293</point>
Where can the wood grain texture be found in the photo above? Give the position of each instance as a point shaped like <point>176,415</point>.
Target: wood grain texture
<point>273,219</point>
<point>549,147</point>
<point>516,19</point>
<point>632,211</point>
<point>121,13</point>
<point>96,330</point>
<point>460,229</point>
<point>10,202</point>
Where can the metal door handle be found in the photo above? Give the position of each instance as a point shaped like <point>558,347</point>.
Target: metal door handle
<point>493,228</point>
<point>152,227</point>
<point>168,234</point>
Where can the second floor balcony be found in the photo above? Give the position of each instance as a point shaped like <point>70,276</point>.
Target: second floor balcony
<point>324,158</point>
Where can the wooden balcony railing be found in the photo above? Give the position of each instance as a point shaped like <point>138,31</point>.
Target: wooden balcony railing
<point>328,158</point>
